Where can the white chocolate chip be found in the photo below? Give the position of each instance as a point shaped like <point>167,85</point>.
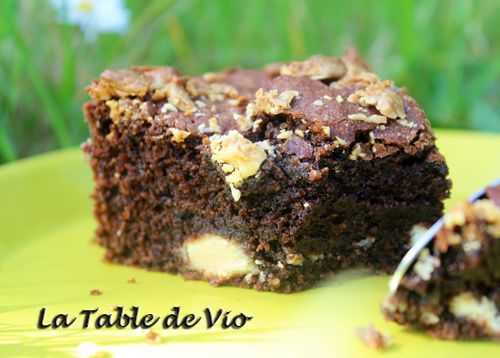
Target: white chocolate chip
<point>217,256</point>
<point>429,318</point>
<point>481,311</point>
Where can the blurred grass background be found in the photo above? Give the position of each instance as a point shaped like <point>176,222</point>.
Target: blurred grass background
<point>445,52</point>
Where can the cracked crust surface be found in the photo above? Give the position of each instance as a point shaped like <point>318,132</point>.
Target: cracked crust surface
<point>393,118</point>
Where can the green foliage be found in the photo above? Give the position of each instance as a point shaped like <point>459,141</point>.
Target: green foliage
<point>445,52</point>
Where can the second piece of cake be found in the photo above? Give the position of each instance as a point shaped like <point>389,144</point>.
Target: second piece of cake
<point>453,290</point>
<point>268,179</point>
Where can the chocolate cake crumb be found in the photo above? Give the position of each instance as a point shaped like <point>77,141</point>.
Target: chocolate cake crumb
<point>153,337</point>
<point>373,338</point>
<point>95,292</point>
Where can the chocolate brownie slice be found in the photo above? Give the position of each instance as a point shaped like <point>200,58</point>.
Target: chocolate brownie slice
<point>453,290</point>
<point>267,178</point>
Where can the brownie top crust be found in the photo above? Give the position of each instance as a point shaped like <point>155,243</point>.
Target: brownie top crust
<point>324,103</point>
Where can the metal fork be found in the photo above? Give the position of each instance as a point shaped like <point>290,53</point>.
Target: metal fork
<point>422,242</point>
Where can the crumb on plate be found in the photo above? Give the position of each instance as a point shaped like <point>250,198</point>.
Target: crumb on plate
<point>95,292</point>
<point>373,338</point>
<point>153,337</point>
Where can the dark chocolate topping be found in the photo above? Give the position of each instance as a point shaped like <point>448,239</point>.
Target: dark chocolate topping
<point>329,99</point>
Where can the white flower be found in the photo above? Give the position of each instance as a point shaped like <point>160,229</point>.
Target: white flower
<point>94,16</point>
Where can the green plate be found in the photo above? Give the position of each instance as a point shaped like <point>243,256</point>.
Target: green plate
<point>47,261</point>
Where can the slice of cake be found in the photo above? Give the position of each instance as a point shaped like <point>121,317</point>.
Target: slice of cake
<point>260,178</point>
<point>453,289</point>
